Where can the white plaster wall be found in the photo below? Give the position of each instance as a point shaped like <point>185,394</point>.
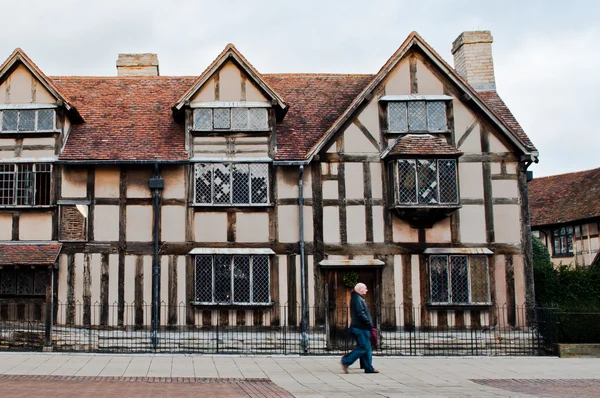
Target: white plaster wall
<point>139,223</point>
<point>398,287</point>
<point>496,145</point>
<point>35,226</point>
<point>130,290</point>
<point>210,227</point>
<point>206,92</point>
<point>354,181</point>
<point>355,223</point>
<point>113,285</point>
<point>511,167</point>
<point>331,224</point>
<point>62,288</point>
<point>137,183</point>
<point>378,223</point>
<point>440,232</point>
<point>470,177</point>
<point>74,183</point>
<point>369,118</point>
<point>174,178</point>
<point>164,289</point>
<point>288,223</point>
<point>398,80</point>
<point>356,142</point>
<point>376,181</point>
<point>402,231</point>
<point>507,223</point>
<point>230,83</point>
<point>173,223</point>
<point>147,289</point>
<point>505,188</point>
<point>330,189</point>
<point>106,223</point>
<point>426,81</point>
<point>252,227</point>
<point>95,274</point>
<point>472,224</point>
<point>20,86</point>
<point>5,226</point>
<point>287,182</point>
<point>308,224</point>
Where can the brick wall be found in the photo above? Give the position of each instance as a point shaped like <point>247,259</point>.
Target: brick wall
<point>473,59</point>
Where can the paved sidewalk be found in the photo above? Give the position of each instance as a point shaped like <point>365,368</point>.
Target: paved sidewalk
<point>323,377</point>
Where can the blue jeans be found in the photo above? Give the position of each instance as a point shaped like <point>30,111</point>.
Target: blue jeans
<point>363,350</point>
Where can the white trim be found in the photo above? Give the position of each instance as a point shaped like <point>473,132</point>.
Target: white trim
<point>231,160</point>
<point>27,160</point>
<point>340,263</point>
<point>231,104</point>
<point>28,106</point>
<point>416,97</point>
<point>458,250</point>
<point>212,250</point>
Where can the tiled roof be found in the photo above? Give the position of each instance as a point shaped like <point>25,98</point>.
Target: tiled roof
<point>130,118</point>
<point>423,144</point>
<point>565,197</point>
<point>29,253</point>
<point>494,101</point>
<point>127,118</point>
<point>315,102</point>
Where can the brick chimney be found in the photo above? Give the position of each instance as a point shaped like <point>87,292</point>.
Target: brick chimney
<point>137,65</point>
<point>473,59</point>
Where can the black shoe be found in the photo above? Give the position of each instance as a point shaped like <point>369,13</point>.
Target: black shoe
<point>372,371</point>
<point>344,367</point>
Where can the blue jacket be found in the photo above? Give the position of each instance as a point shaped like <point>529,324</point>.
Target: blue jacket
<point>361,318</point>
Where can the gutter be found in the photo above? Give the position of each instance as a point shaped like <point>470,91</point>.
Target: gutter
<point>118,161</point>
<point>156,184</point>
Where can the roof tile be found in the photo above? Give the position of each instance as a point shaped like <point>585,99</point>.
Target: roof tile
<point>29,253</point>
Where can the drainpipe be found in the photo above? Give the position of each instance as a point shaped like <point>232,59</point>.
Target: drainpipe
<point>156,184</point>
<point>303,322</point>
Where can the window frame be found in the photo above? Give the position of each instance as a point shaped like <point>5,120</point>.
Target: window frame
<point>36,120</point>
<point>450,302</point>
<point>408,130</point>
<point>212,110</point>
<point>251,281</point>
<point>396,180</point>
<point>568,235</point>
<point>34,180</point>
<point>231,203</point>
<point>19,270</point>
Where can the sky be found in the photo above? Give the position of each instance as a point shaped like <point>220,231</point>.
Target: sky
<point>546,53</point>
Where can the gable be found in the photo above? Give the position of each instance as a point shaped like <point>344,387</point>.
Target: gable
<point>20,86</point>
<point>229,83</point>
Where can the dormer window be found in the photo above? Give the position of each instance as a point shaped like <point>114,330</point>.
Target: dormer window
<point>425,182</point>
<point>235,119</point>
<point>410,116</point>
<point>27,120</point>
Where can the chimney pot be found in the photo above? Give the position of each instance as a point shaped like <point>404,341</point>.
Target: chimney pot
<point>137,65</point>
<point>473,59</point>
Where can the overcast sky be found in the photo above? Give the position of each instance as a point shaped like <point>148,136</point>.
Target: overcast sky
<point>546,53</point>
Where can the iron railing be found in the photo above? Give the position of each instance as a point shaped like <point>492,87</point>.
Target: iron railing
<point>403,330</point>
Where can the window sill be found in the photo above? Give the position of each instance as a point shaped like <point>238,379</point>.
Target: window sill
<point>567,255</point>
<point>25,207</point>
<point>23,134</point>
<point>236,206</point>
<point>235,306</point>
<point>424,215</point>
<point>452,306</point>
<point>220,131</point>
<point>417,132</point>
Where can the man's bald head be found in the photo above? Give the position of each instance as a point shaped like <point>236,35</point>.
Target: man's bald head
<point>361,289</point>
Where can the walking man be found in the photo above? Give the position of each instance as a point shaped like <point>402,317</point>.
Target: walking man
<point>361,328</point>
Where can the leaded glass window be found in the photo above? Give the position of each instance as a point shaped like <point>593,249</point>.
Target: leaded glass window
<point>232,279</point>
<point>425,181</point>
<point>562,239</point>
<point>234,184</point>
<point>25,184</point>
<point>23,281</point>
<point>27,120</point>
<point>417,116</point>
<point>234,119</point>
<point>459,279</point>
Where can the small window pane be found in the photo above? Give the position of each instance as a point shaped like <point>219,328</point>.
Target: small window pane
<point>222,183</point>
<point>407,179</point>
<point>203,119</point>
<point>459,277</point>
<point>25,282</point>
<point>439,279</point>
<point>45,120</point>
<point>259,180</point>
<point>448,183</point>
<point>25,186</point>
<point>204,279</point>
<point>9,120</point>
<point>241,184</point>
<point>417,116</point>
<point>8,281</point>
<point>479,279</point>
<point>241,279</point>
<point>397,116</point>
<point>222,118</point>
<point>40,278</point>
<point>222,267</point>
<point>239,118</point>
<point>203,177</point>
<point>260,275</point>
<point>436,116</point>
<point>7,184</point>
<point>258,119</point>
<point>428,183</point>
<point>26,120</point>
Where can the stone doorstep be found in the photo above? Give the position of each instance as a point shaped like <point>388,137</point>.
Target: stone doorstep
<point>579,350</point>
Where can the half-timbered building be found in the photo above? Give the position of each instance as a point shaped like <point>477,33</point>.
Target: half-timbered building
<point>241,198</point>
